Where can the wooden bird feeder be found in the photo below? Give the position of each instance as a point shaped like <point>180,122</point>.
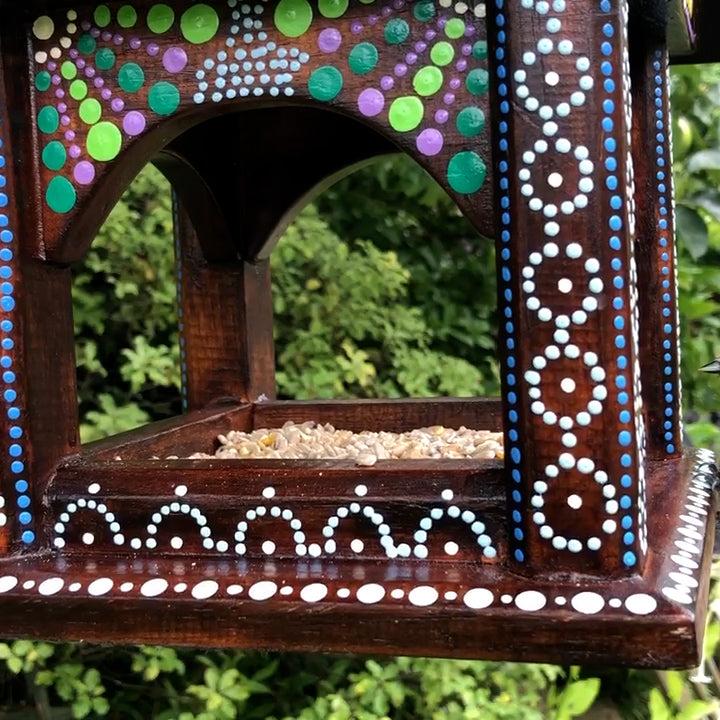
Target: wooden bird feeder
<point>548,122</point>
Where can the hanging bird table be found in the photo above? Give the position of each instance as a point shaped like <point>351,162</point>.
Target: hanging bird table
<point>588,540</point>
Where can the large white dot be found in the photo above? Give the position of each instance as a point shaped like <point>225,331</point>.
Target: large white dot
<point>478,598</point>
<point>154,587</point>
<point>51,586</point>
<point>101,586</point>
<point>43,28</point>
<point>423,596</point>
<point>567,385</point>
<point>262,590</point>
<point>205,589</point>
<point>531,600</point>
<point>371,593</point>
<point>588,603</point>
<point>314,593</point>
<point>641,604</point>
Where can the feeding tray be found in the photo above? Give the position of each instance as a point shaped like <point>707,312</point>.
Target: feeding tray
<point>590,541</point>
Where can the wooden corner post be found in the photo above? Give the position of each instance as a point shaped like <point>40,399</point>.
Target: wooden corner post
<point>567,285</point>
<point>655,244</point>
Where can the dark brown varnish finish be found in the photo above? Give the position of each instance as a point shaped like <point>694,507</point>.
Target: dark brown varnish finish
<point>548,123</point>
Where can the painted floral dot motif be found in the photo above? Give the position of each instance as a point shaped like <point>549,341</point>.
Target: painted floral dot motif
<point>175,59</point>
<point>199,24</point>
<point>104,141</point>
<point>466,172</point>
<point>325,83</point>
<point>455,28</point>
<point>430,57</point>
<point>293,17</point>
<point>363,58</point>
<point>61,195</point>
<point>160,18</point>
<point>406,113</point>
<point>332,8</point>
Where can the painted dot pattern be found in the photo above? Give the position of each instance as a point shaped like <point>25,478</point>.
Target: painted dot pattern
<point>381,533</point>
<point>14,443</point>
<point>667,256</point>
<point>118,71</point>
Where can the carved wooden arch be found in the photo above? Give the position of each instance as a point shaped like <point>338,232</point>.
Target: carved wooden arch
<point>127,92</point>
<point>591,542</point>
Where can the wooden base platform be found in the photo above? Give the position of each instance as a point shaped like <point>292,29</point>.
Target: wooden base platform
<point>327,556</point>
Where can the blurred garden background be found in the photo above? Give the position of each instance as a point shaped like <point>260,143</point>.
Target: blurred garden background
<point>381,288</point>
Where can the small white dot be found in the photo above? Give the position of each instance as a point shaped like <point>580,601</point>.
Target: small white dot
<point>268,547</point>
<point>88,538</point>
<point>575,502</point>
<point>176,543</point>
<point>451,548</point>
<point>357,545</point>
<point>567,385</point>
<point>181,490</point>
<point>269,492</point>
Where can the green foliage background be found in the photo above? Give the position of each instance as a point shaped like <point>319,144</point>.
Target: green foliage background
<point>381,289</point>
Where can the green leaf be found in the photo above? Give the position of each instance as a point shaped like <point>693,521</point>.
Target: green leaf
<point>697,710</point>
<point>577,697</point>
<point>659,709</point>
<point>704,160</point>
<point>692,231</point>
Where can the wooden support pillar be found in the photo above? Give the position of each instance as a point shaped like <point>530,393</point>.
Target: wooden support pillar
<point>655,245</point>
<point>567,285</point>
<point>225,322</point>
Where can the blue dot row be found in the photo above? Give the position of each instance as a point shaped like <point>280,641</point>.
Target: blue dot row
<point>513,454</point>
<point>15,448</point>
<point>662,176</point>
<point>622,343</point>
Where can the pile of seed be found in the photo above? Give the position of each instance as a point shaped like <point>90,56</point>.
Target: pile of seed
<point>314,441</point>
